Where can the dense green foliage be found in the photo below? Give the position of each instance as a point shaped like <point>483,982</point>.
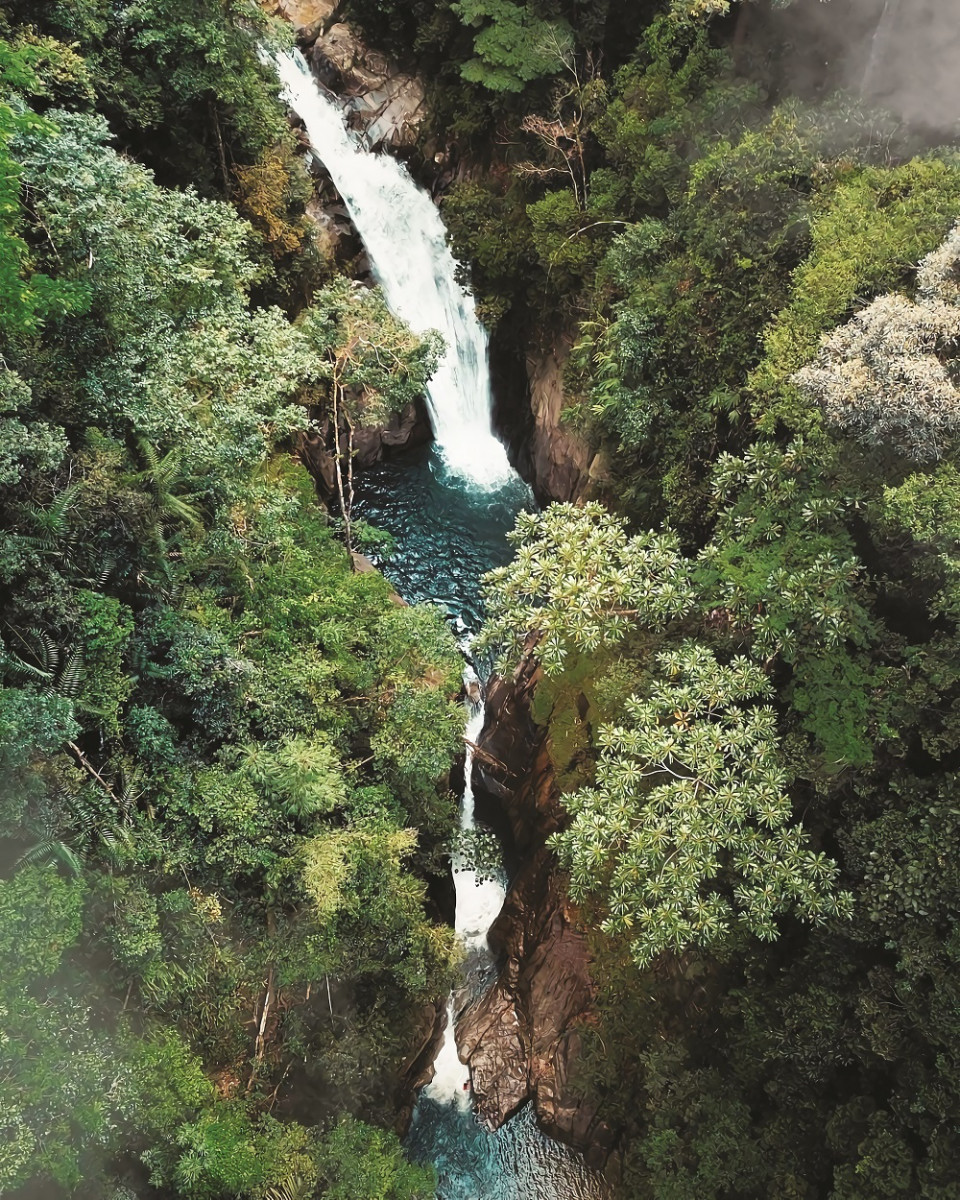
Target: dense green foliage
<point>223,754</point>
<point>751,673</point>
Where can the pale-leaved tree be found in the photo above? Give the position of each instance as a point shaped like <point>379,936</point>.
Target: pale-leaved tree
<point>688,831</point>
<point>578,582</point>
<point>889,375</point>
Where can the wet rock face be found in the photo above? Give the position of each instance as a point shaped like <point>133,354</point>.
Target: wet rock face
<point>520,1039</point>
<point>306,16</point>
<point>563,466</point>
<point>515,766</point>
<point>384,103</point>
<point>381,101</point>
<point>490,1040</point>
<point>403,430</point>
<point>559,460</point>
<point>417,1068</point>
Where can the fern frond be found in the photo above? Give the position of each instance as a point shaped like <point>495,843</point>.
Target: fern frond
<point>51,522</point>
<point>71,677</point>
<point>106,571</point>
<point>297,1187</point>
<point>51,653</point>
<point>24,672</point>
<point>149,455</point>
<point>51,851</point>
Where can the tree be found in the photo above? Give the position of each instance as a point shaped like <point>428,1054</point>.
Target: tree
<point>885,377</point>
<point>578,582</point>
<point>357,1160</point>
<point>27,297</point>
<point>197,690</point>
<point>187,75</point>
<point>366,911</point>
<point>687,833</point>
<point>864,232</point>
<point>51,1117</point>
<point>513,46</point>
<point>372,364</point>
<point>703,10</point>
<point>889,376</point>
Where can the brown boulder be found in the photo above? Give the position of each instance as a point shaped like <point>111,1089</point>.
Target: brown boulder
<point>489,1039</point>
<point>521,1039</point>
<point>384,103</point>
<point>306,16</point>
<point>563,464</point>
<point>403,430</point>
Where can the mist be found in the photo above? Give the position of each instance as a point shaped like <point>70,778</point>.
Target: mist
<point>899,55</point>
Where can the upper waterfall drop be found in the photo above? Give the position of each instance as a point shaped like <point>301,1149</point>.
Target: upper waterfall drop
<point>406,243</point>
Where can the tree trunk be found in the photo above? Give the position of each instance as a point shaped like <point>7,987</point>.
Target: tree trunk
<point>344,492</point>
<point>221,150</point>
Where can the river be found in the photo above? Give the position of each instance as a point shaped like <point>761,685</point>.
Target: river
<point>448,508</point>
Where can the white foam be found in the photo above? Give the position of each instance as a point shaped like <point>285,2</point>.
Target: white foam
<point>406,243</point>
<point>451,1077</point>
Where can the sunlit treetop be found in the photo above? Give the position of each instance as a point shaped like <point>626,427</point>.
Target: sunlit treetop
<point>579,582</point>
<point>688,832</point>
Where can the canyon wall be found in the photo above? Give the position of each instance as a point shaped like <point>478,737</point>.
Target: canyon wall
<point>521,1039</point>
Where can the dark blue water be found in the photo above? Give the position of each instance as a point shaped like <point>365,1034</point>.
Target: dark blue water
<point>446,533</point>
<point>516,1163</point>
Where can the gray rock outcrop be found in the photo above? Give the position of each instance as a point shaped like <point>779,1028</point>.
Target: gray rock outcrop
<point>381,101</point>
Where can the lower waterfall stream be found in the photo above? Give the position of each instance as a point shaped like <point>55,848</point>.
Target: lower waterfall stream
<point>447,534</point>
<point>448,508</point>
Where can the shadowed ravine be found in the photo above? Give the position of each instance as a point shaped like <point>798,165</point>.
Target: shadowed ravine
<point>448,508</point>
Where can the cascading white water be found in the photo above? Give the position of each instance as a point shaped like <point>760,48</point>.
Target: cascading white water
<point>479,900</point>
<point>406,243</point>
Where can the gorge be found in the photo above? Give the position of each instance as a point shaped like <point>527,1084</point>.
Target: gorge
<point>462,493</point>
<point>261,549</point>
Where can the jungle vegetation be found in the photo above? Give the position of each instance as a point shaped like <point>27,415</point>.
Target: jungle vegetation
<point>750,652</point>
<point>224,754</point>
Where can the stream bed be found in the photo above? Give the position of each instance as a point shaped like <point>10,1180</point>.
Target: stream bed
<point>446,534</point>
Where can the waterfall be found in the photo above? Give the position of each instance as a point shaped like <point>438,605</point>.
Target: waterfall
<point>480,897</point>
<point>406,244</point>
<point>878,48</point>
<point>449,532</point>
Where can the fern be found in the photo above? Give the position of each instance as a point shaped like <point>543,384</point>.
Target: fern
<point>162,476</point>
<point>297,1187</point>
<point>51,851</point>
<point>51,524</point>
<point>71,677</point>
<point>24,672</point>
<point>40,647</point>
<point>99,584</point>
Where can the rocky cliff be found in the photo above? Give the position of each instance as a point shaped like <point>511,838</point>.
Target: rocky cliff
<point>381,101</point>
<point>559,459</point>
<point>384,103</point>
<point>402,431</point>
<point>520,1039</point>
<point>562,463</point>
